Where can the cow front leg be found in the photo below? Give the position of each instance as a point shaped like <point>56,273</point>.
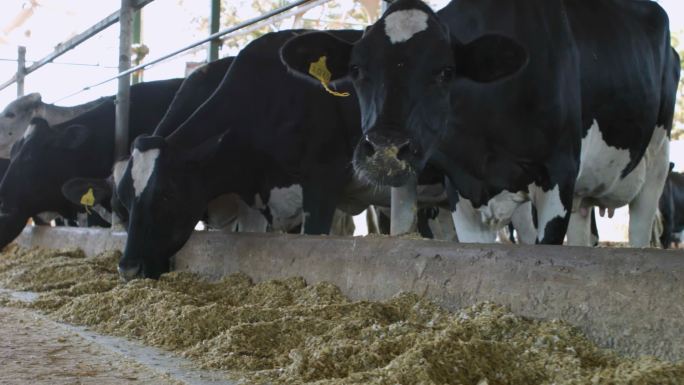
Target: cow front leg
<point>319,203</point>
<point>467,220</point>
<point>553,211</point>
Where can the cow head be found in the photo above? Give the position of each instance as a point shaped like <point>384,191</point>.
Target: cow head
<point>41,162</point>
<point>405,69</point>
<point>163,190</point>
<point>14,120</point>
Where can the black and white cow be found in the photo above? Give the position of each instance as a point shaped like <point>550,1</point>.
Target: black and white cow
<point>426,96</point>
<point>283,146</point>
<point>505,116</point>
<point>47,157</point>
<point>15,118</point>
<point>672,209</point>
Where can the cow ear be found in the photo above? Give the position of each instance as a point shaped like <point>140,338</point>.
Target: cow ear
<point>311,53</point>
<point>31,99</point>
<point>87,191</point>
<point>490,58</point>
<point>71,137</point>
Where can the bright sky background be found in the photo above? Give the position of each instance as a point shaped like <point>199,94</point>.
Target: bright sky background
<point>166,27</point>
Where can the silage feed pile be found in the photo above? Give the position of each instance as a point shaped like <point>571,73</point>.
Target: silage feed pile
<point>288,332</point>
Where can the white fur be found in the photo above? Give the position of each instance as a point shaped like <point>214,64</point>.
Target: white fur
<point>549,207</point>
<point>401,26</point>
<point>143,167</point>
<point>524,224</point>
<point>29,131</point>
<point>230,213</point>
<point>286,205</point>
<point>600,164</point>
<point>48,216</point>
<point>469,225</point>
<point>500,208</point>
<point>600,179</point>
<point>118,171</point>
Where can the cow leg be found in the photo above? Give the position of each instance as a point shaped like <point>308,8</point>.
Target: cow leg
<point>523,223</point>
<point>643,207</point>
<point>552,214</point>
<point>467,221</point>
<point>319,204</point>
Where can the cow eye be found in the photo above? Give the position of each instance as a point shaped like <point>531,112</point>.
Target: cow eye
<point>9,115</point>
<point>354,71</point>
<point>445,75</point>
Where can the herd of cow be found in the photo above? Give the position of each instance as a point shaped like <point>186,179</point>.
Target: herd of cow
<point>530,112</point>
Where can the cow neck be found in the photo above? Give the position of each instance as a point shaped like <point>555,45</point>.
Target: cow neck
<point>58,114</point>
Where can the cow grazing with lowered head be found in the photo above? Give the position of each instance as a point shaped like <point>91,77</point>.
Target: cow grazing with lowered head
<point>527,113</point>
<point>47,157</point>
<point>261,135</point>
<point>15,118</point>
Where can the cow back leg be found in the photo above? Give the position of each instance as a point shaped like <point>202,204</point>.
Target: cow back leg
<point>643,207</point>
<point>579,229</point>
<point>523,223</point>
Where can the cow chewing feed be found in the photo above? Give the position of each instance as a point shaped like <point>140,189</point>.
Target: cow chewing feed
<point>548,112</point>
<point>281,147</point>
<point>261,135</point>
<point>84,148</point>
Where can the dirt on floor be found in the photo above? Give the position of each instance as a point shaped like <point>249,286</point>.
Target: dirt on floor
<point>36,351</point>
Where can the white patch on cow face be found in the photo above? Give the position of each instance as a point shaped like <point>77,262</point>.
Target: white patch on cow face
<point>143,166</point>
<point>469,226</point>
<point>549,207</point>
<point>601,165</point>
<point>286,205</point>
<point>119,170</point>
<point>400,26</point>
<point>500,208</point>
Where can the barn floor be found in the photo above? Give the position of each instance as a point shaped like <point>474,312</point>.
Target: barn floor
<point>36,350</point>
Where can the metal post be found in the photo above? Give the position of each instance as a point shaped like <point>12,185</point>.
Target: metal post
<point>123,94</point>
<point>214,24</point>
<point>21,70</point>
<point>137,28</point>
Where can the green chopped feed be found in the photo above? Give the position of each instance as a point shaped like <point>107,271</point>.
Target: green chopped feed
<point>289,332</point>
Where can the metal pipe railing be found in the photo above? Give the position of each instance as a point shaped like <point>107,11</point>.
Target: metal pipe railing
<point>281,13</point>
<point>68,45</point>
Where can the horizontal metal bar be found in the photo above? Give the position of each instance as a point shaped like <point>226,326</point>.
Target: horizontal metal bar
<point>221,33</point>
<point>66,46</point>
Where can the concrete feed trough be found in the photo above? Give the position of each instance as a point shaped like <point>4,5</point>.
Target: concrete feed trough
<point>631,300</point>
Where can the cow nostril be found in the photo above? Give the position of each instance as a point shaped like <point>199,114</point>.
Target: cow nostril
<point>406,149</point>
<point>368,143</point>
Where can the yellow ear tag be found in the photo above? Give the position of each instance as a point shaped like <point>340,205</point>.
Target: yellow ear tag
<point>320,71</point>
<point>88,200</point>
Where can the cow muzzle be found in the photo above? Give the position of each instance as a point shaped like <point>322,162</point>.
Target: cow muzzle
<point>386,159</point>
<point>129,271</point>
